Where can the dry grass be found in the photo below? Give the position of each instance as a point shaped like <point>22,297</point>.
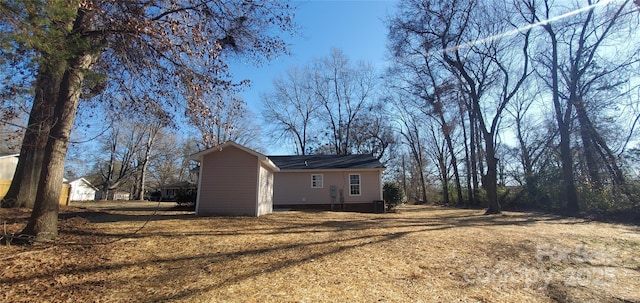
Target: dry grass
<point>420,254</point>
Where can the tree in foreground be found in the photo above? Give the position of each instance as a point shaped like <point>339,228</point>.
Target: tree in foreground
<point>165,49</point>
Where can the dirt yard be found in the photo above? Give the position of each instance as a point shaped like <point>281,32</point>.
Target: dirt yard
<point>120,253</point>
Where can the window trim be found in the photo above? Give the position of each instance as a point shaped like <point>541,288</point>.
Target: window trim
<point>359,185</point>
<point>316,181</point>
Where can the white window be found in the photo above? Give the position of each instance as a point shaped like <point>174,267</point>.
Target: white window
<point>316,181</point>
<point>354,185</point>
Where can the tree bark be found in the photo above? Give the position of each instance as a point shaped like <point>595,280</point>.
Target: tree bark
<point>43,223</point>
<point>597,145</point>
<point>490,180</point>
<point>588,145</point>
<point>454,165</point>
<point>153,130</point>
<point>417,154</point>
<point>444,179</point>
<point>473,158</point>
<point>563,120</point>
<point>22,191</point>
<point>467,160</point>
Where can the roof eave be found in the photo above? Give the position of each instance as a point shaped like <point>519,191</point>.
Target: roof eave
<point>199,155</point>
<point>284,170</point>
<point>267,162</point>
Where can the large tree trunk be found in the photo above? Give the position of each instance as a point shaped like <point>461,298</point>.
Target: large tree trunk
<point>473,138</point>
<point>43,223</point>
<point>467,159</point>
<point>563,120</point>
<point>490,179</point>
<point>566,159</point>
<point>22,192</point>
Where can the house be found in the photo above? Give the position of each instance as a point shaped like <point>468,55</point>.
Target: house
<point>119,195</point>
<point>235,180</point>
<point>112,195</point>
<point>330,182</point>
<point>168,192</point>
<point>8,165</point>
<point>82,190</point>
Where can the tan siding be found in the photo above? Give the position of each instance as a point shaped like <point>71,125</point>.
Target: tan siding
<point>295,187</point>
<point>228,184</point>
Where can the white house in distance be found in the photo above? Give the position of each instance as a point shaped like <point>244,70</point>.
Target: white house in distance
<point>82,190</point>
<point>235,180</point>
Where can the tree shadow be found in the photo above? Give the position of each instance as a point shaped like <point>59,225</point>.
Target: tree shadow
<point>379,228</point>
<point>99,216</point>
<point>289,223</point>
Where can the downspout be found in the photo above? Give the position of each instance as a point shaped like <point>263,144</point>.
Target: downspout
<point>258,180</point>
<point>380,185</point>
<point>199,185</point>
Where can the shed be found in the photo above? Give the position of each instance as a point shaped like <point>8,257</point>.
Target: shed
<point>234,180</point>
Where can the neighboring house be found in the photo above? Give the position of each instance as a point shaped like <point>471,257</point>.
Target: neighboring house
<point>169,191</point>
<point>235,180</point>
<point>82,190</point>
<point>113,195</point>
<point>119,195</point>
<point>8,165</point>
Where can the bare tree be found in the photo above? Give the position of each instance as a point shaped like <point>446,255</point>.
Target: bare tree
<point>412,131</point>
<point>532,137</point>
<point>226,119</point>
<point>344,92</point>
<point>330,107</point>
<point>576,41</point>
<point>292,108</point>
<point>485,68</point>
<point>170,160</point>
<point>150,131</point>
<point>372,133</point>
<point>125,143</point>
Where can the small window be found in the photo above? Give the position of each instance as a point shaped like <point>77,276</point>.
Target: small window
<point>316,181</point>
<point>354,185</point>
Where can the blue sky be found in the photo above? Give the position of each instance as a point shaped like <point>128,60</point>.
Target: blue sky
<point>355,27</point>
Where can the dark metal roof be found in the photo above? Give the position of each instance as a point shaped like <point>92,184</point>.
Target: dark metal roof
<point>326,162</point>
